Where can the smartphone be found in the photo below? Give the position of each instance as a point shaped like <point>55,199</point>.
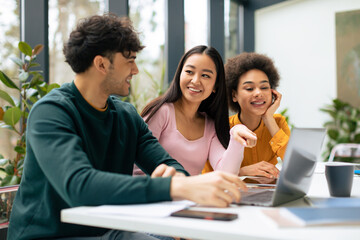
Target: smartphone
<point>272,98</point>
<point>205,215</point>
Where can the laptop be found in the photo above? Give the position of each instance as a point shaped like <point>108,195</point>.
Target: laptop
<point>297,170</point>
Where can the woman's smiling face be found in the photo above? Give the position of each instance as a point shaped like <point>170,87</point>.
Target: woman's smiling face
<point>198,77</point>
<point>253,93</point>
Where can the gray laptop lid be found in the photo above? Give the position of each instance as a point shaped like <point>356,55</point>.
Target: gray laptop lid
<point>299,163</point>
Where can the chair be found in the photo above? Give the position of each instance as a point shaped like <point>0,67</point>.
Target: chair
<point>345,150</point>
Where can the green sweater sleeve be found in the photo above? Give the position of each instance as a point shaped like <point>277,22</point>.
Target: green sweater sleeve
<point>59,152</point>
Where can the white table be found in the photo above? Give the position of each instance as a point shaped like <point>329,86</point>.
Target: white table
<point>251,224</point>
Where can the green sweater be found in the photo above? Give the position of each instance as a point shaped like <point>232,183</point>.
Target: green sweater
<point>79,156</point>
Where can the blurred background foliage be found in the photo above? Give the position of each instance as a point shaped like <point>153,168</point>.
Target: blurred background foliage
<point>343,126</point>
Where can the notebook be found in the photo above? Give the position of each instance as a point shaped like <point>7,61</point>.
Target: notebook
<point>299,163</point>
<point>301,217</point>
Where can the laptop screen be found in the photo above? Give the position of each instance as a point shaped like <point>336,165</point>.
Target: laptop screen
<point>302,151</point>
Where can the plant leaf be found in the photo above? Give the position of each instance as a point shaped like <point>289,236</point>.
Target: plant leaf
<point>36,80</point>
<point>3,161</point>
<point>37,49</point>
<point>41,90</point>
<point>25,85</point>
<point>20,149</point>
<point>352,125</point>
<point>344,139</point>
<point>357,138</point>
<point>283,112</point>
<point>23,76</point>
<point>6,180</point>
<point>9,169</point>
<point>5,126</point>
<point>333,134</point>
<point>7,81</point>
<point>329,124</point>
<point>4,95</point>
<point>26,114</point>
<point>20,164</point>
<point>14,180</point>
<point>25,48</point>
<point>52,86</point>
<point>12,116</point>
<point>33,99</point>
<point>17,60</point>
<point>34,64</point>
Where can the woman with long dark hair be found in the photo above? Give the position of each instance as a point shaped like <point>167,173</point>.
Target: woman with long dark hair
<point>191,119</point>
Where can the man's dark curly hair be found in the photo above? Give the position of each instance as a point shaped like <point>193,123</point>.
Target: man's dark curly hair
<point>100,35</point>
<point>235,67</point>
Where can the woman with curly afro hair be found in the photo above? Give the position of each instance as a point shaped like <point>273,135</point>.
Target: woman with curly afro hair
<point>251,80</point>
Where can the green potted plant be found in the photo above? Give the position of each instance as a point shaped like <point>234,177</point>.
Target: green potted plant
<point>29,87</point>
<point>344,126</point>
<point>13,115</point>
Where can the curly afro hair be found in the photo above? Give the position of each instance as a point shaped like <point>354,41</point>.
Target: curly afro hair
<point>235,67</point>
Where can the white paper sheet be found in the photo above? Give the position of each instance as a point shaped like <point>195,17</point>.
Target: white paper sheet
<point>160,209</point>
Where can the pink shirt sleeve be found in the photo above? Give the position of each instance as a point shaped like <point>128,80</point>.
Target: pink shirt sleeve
<point>228,160</point>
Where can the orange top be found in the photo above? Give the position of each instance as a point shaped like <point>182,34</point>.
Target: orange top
<point>267,148</point>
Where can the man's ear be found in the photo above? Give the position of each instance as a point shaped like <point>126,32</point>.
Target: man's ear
<point>100,64</point>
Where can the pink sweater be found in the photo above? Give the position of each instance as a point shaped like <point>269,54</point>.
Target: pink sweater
<point>193,154</point>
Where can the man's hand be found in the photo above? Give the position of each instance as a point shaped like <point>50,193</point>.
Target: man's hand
<point>260,169</point>
<point>164,170</point>
<point>217,188</point>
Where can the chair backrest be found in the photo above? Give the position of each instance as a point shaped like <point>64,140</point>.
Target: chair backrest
<point>345,150</point>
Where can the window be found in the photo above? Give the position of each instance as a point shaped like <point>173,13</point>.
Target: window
<point>233,29</point>
<point>148,19</point>
<point>63,17</point>
<point>195,23</point>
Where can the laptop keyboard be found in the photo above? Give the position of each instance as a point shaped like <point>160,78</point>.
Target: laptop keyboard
<point>259,198</point>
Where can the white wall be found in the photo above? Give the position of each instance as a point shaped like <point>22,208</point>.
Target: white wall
<point>299,36</point>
